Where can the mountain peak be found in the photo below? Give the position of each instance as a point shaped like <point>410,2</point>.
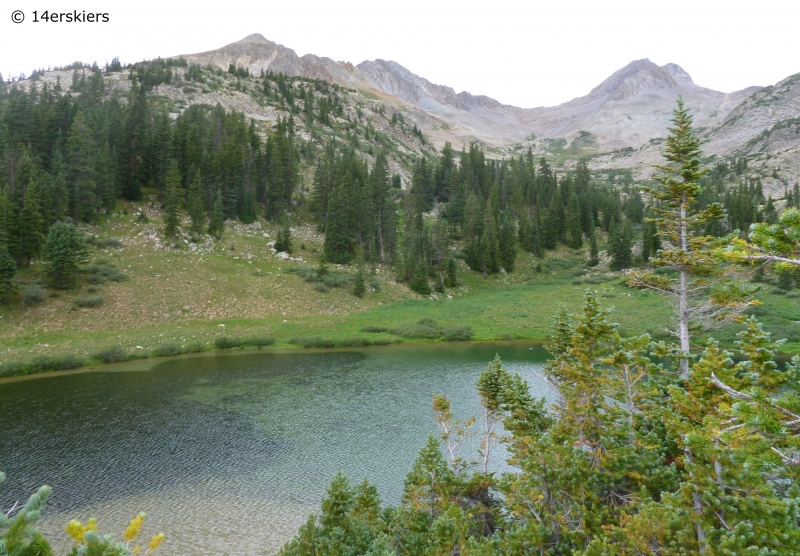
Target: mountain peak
<point>255,38</point>
<point>633,79</point>
<point>678,73</point>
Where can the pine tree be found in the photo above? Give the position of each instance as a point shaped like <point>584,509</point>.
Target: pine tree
<point>81,170</point>
<point>339,241</point>
<point>573,224</point>
<point>64,252</point>
<point>507,243</point>
<point>785,280</point>
<point>594,259</point>
<point>172,201</point>
<point>452,277</point>
<point>216,224</point>
<point>490,236</point>
<point>620,245</point>
<point>8,269</point>
<point>31,226</point>
<point>359,287</point>
<point>283,241</point>
<point>696,307</point>
<point>195,205</point>
<point>419,283</point>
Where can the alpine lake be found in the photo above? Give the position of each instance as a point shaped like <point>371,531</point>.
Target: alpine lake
<point>230,452</point>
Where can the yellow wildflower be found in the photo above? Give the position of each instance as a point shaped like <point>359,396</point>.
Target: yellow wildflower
<point>156,541</point>
<point>134,528</point>
<point>77,530</point>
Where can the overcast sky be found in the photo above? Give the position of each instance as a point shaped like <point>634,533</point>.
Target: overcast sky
<point>525,53</point>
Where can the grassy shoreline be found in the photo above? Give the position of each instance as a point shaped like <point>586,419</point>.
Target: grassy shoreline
<point>193,295</point>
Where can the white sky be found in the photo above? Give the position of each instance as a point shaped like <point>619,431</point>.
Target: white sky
<point>527,54</point>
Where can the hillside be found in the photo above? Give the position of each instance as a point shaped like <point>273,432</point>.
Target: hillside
<point>619,123</point>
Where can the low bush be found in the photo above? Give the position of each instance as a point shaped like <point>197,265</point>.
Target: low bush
<point>227,342</point>
<point>106,272</point>
<point>777,291</point>
<point>375,329</point>
<point>41,364</point>
<point>112,354</point>
<point>89,301</point>
<point>12,368</point>
<point>356,341</point>
<point>33,294</point>
<point>259,341</point>
<point>793,294</point>
<point>312,342</point>
<point>165,349</point>
<point>375,284</point>
<point>424,328</point>
<point>457,333</point>
<point>195,347</point>
<point>320,287</point>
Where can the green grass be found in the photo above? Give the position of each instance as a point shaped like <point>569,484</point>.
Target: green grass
<point>172,300</point>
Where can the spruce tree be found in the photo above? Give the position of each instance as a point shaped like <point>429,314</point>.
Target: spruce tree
<point>490,236</point>
<point>8,269</point>
<point>508,243</point>
<point>419,283</point>
<point>30,231</point>
<point>359,287</point>
<point>703,296</point>
<point>573,224</point>
<point>452,277</point>
<point>172,201</point>
<point>283,241</point>
<point>594,258</point>
<point>81,170</point>
<point>620,244</point>
<point>64,252</point>
<point>216,224</point>
<point>195,205</point>
<point>339,240</point>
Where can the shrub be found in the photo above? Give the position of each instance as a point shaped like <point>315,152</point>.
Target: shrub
<point>424,328</point>
<point>11,368</point>
<point>228,342</point>
<point>777,291</point>
<point>320,287</point>
<point>375,284</point>
<point>259,341</point>
<point>195,347</point>
<point>92,289</point>
<point>107,272</point>
<point>89,301</point>
<point>793,294</point>
<point>329,281</point>
<point>375,329</point>
<point>457,333</point>
<point>33,294</point>
<point>356,341</point>
<point>96,279</point>
<point>168,348</point>
<point>111,354</point>
<point>312,341</point>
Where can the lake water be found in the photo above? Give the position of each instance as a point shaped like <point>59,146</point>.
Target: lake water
<point>229,453</point>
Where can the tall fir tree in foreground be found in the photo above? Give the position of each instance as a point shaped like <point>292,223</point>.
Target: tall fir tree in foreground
<point>703,296</point>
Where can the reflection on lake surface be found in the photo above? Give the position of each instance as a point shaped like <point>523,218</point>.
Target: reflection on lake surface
<point>228,454</point>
